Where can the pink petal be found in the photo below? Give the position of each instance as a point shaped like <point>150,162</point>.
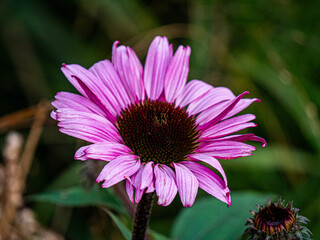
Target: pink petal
<point>130,190</point>
<point>177,73</point>
<point>209,181</point>
<point>87,126</point>
<point>165,184</point>
<point>214,96</point>
<point>76,102</point>
<point>187,184</point>
<point>113,88</point>
<point>105,151</point>
<point>130,70</point>
<point>216,116</point>
<point>244,138</point>
<point>91,87</point>
<point>229,126</point>
<point>119,169</point>
<point>211,161</point>
<point>242,104</point>
<point>157,61</point>
<point>147,175</point>
<point>191,92</point>
<point>227,149</point>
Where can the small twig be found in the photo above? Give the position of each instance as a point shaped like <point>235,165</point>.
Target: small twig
<point>33,139</point>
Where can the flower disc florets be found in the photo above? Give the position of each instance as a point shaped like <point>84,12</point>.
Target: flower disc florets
<point>277,221</point>
<point>158,131</point>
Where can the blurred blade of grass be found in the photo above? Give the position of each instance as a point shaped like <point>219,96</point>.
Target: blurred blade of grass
<point>274,157</point>
<point>121,19</point>
<point>122,227</point>
<point>287,94</point>
<point>51,34</point>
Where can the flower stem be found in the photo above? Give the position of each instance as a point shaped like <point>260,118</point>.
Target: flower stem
<point>142,217</point>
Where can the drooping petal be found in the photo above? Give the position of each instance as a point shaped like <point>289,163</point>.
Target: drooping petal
<point>191,92</point>
<point>209,181</point>
<point>157,61</point>
<point>87,126</point>
<point>244,138</point>
<point>227,149</point>
<point>187,184</point>
<point>165,184</point>
<point>211,161</point>
<point>119,169</point>
<point>147,175</point>
<point>75,102</point>
<point>177,73</point>
<point>114,89</point>
<point>216,116</point>
<point>130,190</point>
<point>130,70</point>
<point>229,126</point>
<point>91,87</point>
<point>105,151</point>
<point>214,96</point>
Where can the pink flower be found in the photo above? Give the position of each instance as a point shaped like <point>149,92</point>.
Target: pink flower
<point>154,130</point>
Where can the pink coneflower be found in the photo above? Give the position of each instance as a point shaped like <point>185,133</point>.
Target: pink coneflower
<point>154,131</point>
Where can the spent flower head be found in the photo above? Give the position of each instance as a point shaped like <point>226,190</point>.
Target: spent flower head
<point>277,221</point>
<point>152,128</point>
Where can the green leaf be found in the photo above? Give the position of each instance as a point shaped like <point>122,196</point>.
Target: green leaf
<point>79,197</point>
<point>157,236</point>
<point>211,219</point>
<point>124,230</point>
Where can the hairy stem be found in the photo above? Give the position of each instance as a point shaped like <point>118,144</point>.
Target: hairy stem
<point>142,216</point>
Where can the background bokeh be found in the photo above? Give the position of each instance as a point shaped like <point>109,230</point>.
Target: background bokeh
<point>270,48</point>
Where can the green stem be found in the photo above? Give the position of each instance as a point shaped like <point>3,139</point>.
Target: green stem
<point>142,217</point>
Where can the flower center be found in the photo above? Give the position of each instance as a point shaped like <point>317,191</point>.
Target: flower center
<point>274,219</point>
<point>158,131</point>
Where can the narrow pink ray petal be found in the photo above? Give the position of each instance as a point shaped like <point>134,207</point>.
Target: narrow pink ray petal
<point>191,92</point>
<point>130,190</point>
<point>217,116</point>
<point>105,151</point>
<point>242,104</point>
<point>177,73</point>
<point>136,178</point>
<point>209,181</point>
<point>211,161</point>
<point>187,184</point>
<point>91,86</point>
<point>113,88</point>
<point>157,61</point>
<point>76,102</point>
<point>243,138</point>
<point>165,184</point>
<point>229,126</point>
<point>227,149</point>
<point>130,70</point>
<point>85,125</point>
<point>214,96</point>
<point>119,169</point>
<point>147,175</point>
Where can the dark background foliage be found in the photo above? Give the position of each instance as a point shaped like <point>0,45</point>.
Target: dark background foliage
<point>271,48</point>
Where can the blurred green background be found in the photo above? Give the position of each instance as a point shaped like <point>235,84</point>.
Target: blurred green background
<point>270,48</point>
